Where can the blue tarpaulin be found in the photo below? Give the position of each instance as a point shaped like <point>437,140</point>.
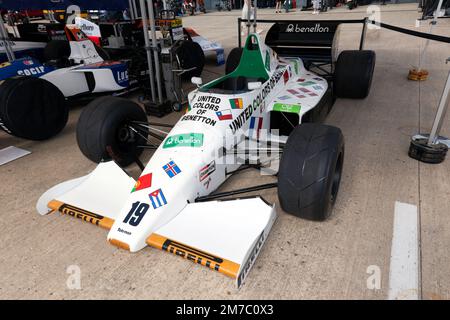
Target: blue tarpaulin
<point>63,4</point>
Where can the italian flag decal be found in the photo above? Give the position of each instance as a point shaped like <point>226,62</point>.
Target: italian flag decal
<point>143,182</point>
<point>236,103</point>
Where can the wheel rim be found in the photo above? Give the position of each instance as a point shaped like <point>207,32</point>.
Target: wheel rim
<point>126,138</point>
<point>336,178</point>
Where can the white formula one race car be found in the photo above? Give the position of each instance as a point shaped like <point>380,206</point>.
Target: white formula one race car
<point>34,94</point>
<point>264,103</point>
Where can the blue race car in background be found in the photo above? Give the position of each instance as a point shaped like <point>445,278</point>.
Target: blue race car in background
<point>33,94</point>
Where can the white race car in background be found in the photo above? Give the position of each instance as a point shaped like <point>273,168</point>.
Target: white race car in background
<point>264,103</point>
<point>33,94</point>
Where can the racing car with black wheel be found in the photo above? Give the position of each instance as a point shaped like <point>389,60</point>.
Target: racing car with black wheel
<point>34,93</point>
<point>265,112</point>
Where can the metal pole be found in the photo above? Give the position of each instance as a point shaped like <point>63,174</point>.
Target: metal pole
<point>148,48</point>
<point>239,32</point>
<point>4,36</point>
<point>254,16</point>
<point>130,5</point>
<point>432,24</point>
<point>440,114</point>
<point>155,47</point>
<point>134,4</point>
<point>249,10</point>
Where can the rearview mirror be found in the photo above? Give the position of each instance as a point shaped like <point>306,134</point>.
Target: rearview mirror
<point>254,85</point>
<point>197,81</point>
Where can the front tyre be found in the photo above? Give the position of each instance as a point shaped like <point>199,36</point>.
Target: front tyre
<point>310,171</point>
<point>106,130</point>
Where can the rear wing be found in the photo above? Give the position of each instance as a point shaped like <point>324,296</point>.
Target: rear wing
<point>311,40</point>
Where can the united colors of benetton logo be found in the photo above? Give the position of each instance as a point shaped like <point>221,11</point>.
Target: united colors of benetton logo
<point>143,182</point>
<point>157,198</point>
<point>171,169</point>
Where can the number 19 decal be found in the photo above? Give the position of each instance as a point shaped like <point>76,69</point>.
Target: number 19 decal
<point>137,212</point>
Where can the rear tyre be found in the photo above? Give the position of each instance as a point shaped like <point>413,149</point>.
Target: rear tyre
<point>233,59</point>
<point>191,55</point>
<point>32,108</point>
<point>353,73</point>
<point>310,171</point>
<point>103,130</point>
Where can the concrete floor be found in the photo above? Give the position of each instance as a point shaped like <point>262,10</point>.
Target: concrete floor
<point>301,259</point>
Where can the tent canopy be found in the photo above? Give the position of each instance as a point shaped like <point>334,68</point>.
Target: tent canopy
<point>63,4</point>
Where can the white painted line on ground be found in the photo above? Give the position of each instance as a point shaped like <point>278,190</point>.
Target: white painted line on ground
<point>9,154</point>
<point>404,268</point>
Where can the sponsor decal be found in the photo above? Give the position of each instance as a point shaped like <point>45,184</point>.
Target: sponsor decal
<point>224,115</point>
<point>86,28</point>
<point>184,140</point>
<point>171,169</point>
<point>143,182</point>
<point>122,76</point>
<point>255,126</point>
<point>299,29</point>
<point>124,231</point>
<point>282,107</point>
<point>31,71</point>
<point>28,62</point>
<point>157,198</point>
<point>251,259</point>
<point>207,170</point>
<point>240,120</point>
<point>81,214</point>
<point>236,103</point>
<point>192,254</point>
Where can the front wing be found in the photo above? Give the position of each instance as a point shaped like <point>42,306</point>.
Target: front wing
<point>225,236</point>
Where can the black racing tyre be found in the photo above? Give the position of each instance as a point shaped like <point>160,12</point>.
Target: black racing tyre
<point>353,73</point>
<point>191,55</point>
<point>310,171</point>
<point>32,108</point>
<point>57,50</point>
<point>103,130</point>
<point>233,59</point>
